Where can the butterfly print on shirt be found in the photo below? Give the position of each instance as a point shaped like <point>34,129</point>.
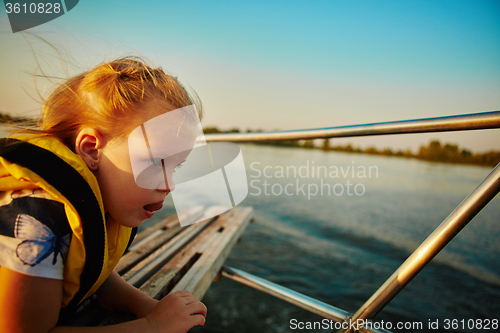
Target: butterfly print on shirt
<point>39,241</point>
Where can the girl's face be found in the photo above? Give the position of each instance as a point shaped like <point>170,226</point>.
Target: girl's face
<point>135,174</point>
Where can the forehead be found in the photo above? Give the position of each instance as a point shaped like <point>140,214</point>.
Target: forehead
<point>167,134</point>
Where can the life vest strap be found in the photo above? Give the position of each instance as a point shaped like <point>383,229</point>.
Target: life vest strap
<point>65,179</point>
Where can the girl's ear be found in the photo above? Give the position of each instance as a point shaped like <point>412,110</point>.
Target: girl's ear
<point>88,144</point>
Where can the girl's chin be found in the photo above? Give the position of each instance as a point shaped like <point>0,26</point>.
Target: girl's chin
<point>129,221</point>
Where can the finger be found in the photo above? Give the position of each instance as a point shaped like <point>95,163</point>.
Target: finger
<point>198,308</point>
<point>182,293</point>
<point>197,319</point>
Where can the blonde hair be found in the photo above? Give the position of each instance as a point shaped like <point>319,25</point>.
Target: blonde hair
<point>113,98</point>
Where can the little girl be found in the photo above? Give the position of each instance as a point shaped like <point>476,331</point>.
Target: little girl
<point>69,205</point>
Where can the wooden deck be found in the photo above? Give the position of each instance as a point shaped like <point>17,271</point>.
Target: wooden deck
<point>167,257</point>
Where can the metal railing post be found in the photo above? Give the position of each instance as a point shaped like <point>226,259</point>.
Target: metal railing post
<point>448,229</point>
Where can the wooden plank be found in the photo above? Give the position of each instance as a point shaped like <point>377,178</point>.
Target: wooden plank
<point>199,278</point>
<point>143,249</point>
<point>147,267</point>
<point>167,223</point>
<point>215,241</point>
<point>149,248</point>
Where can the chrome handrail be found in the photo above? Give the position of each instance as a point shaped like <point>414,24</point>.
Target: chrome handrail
<point>474,121</point>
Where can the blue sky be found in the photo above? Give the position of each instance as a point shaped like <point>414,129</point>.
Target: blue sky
<point>292,64</point>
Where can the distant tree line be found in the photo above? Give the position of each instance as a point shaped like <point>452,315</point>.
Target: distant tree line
<point>5,118</point>
<point>435,151</point>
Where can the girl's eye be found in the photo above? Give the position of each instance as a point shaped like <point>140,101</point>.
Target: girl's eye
<point>155,161</point>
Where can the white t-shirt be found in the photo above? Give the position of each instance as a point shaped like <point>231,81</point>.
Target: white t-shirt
<point>32,240</point>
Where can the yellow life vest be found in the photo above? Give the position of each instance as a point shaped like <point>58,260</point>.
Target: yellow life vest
<point>96,246</point>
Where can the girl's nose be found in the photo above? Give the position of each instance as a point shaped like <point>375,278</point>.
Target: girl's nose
<point>170,186</point>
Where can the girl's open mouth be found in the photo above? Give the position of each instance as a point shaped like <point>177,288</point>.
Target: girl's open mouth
<point>153,207</point>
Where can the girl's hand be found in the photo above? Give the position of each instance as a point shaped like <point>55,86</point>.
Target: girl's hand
<point>177,313</point>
